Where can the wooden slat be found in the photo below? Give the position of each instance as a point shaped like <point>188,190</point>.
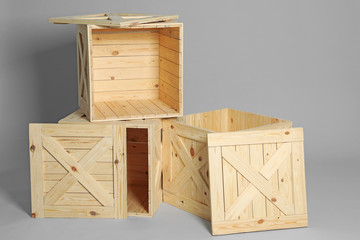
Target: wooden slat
<point>298,166</point>
<point>125,85</point>
<point>77,171</point>
<point>230,186</point>
<point>257,162</point>
<point>187,131</point>
<point>126,62</point>
<point>259,224</point>
<point>256,137</point>
<point>106,110</point>
<point>243,152</point>
<point>269,150</point>
<point>126,73</point>
<point>75,130</point>
<point>75,143</point>
<point>36,171</point>
<point>125,95</point>
<point>125,38</point>
<point>76,199</point>
<point>173,32</point>
<point>188,205</point>
<point>169,54</point>
<point>170,90</point>
<point>169,78</point>
<point>170,67</point>
<point>120,172</point>
<point>140,107</point>
<point>125,50</point>
<point>149,104</point>
<point>79,212</point>
<point>78,188</point>
<point>166,108</point>
<point>98,168</point>
<point>174,104</point>
<point>216,183</point>
<point>58,177</point>
<point>170,42</point>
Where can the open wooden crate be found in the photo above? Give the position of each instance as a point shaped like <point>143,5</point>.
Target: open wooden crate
<point>243,171</point>
<point>129,66</point>
<point>95,170</point>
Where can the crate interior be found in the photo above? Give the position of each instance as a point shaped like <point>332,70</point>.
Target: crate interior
<point>137,170</point>
<point>136,73</point>
<point>228,120</point>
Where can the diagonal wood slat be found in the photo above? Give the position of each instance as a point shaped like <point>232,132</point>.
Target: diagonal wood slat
<point>87,161</point>
<point>187,160</point>
<point>258,182</point>
<point>76,169</point>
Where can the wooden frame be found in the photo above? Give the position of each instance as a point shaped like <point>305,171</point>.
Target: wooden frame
<point>83,168</point>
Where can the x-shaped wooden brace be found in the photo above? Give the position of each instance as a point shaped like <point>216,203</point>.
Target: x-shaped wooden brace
<point>190,170</point>
<point>258,181</point>
<point>77,171</point>
<point>134,19</point>
<point>83,73</point>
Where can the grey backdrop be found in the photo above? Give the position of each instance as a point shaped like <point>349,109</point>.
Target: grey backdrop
<point>296,60</point>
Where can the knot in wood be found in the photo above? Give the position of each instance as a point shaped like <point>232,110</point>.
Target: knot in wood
<point>192,151</point>
<point>112,78</point>
<point>260,221</point>
<point>172,126</point>
<point>175,154</point>
<point>156,85</point>
<point>115,53</point>
<point>273,199</point>
<point>32,148</point>
<point>282,180</point>
<point>73,168</point>
<point>205,193</point>
<point>287,133</point>
<point>116,161</point>
<point>33,215</point>
<point>92,213</point>
<point>200,158</point>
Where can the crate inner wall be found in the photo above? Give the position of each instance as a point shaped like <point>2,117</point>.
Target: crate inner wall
<point>134,73</point>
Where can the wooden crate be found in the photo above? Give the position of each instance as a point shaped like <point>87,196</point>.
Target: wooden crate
<point>129,66</point>
<point>95,170</point>
<point>243,171</point>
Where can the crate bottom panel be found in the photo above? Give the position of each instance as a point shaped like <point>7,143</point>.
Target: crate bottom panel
<point>132,109</point>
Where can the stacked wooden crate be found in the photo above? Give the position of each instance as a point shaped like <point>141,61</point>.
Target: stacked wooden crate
<point>124,151</point>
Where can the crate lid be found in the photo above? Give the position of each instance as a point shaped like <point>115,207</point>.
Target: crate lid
<point>113,19</point>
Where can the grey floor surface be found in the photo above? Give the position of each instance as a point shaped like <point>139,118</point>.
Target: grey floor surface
<point>333,206</point>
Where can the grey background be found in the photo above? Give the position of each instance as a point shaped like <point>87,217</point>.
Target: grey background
<point>296,60</point>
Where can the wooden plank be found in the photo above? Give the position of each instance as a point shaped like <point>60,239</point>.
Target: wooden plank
<point>131,110</point>
<point>125,38</point>
<point>170,67</point>
<point>120,172</point>
<point>169,78</point>
<point>175,105</point>
<point>269,150</point>
<point>257,163</point>
<point>126,85</point>
<point>188,205</point>
<point>298,168</point>
<point>256,179</point>
<point>149,104</point>
<point>173,32</point>
<point>169,54</point>
<point>230,186</point>
<point>216,185</point>
<point>58,177</point>
<point>125,95</point>
<point>75,130</point>
<point>126,62</point>
<point>79,212</point>
<point>259,224</point>
<point>36,172</point>
<point>170,42</point>
<point>187,131</point>
<point>78,188</point>
<point>140,107</point>
<point>106,110</point>
<point>166,108</point>
<point>98,168</point>
<point>149,49</point>
<point>76,199</point>
<point>77,171</point>
<point>256,137</point>
<point>117,108</point>
<point>126,73</point>
<point>243,152</point>
<point>75,143</point>
<point>169,90</point>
